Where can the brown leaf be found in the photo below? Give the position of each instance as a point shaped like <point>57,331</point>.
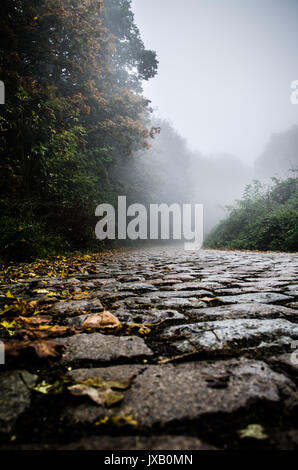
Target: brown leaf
<point>36,349</point>
<point>43,332</point>
<point>208,299</point>
<point>35,320</point>
<point>102,397</point>
<point>104,319</point>
<point>103,393</point>
<point>55,330</point>
<point>98,382</point>
<point>81,295</point>
<point>47,349</point>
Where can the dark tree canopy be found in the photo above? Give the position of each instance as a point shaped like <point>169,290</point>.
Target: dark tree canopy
<point>74,109</point>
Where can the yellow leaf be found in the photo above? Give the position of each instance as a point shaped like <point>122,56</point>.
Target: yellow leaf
<point>41,291</point>
<point>43,387</point>
<point>254,431</point>
<point>144,330</point>
<point>8,325</point>
<point>102,421</point>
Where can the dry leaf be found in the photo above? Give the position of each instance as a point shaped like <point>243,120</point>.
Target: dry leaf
<point>209,299</point>
<point>41,291</point>
<point>35,320</point>
<point>47,349</point>
<point>104,319</point>
<point>98,382</point>
<point>38,349</point>
<point>105,397</point>
<point>81,295</point>
<point>55,388</point>
<point>253,431</point>
<point>103,393</point>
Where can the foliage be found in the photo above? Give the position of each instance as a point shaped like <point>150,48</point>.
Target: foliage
<point>264,219</point>
<point>30,319</point>
<point>72,71</point>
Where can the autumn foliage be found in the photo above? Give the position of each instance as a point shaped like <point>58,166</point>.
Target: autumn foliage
<point>74,110</point>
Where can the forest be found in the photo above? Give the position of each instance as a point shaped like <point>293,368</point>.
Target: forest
<point>74,111</point>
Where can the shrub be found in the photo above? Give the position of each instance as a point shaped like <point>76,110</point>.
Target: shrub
<point>264,219</point>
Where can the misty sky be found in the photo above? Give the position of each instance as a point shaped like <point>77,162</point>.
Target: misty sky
<point>225,69</point>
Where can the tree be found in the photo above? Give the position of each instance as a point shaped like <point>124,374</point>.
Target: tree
<point>69,117</point>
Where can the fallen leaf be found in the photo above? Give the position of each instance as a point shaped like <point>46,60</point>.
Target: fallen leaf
<point>56,329</point>
<point>35,320</point>
<point>53,294</point>
<point>47,349</point>
<point>254,431</point>
<point>103,393</point>
<point>21,307</point>
<point>141,328</point>
<point>46,388</point>
<point>104,420</point>
<point>9,326</point>
<point>81,295</point>
<point>118,421</point>
<point>100,397</point>
<point>105,397</point>
<point>43,332</point>
<point>144,330</point>
<point>43,387</point>
<point>38,349</point>
<point>104,319</point>
<point>122,421</point>
<point>41,291</point>
<point>98,382</point>
<point>64,273</point>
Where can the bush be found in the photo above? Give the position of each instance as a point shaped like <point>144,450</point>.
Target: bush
<point>24,235</point>
<point>264,219</point>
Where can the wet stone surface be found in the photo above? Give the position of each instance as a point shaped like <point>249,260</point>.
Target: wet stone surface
<point>228,335</point>
<point>14,398</point>
<point>97,347</point>
<point>261,297</point>
<point>161,395</point>
<point>206,347</point>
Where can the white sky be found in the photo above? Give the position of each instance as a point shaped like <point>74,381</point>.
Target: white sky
<point>225,69</point>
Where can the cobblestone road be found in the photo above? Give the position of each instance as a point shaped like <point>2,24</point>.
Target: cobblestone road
<point>206,359</point>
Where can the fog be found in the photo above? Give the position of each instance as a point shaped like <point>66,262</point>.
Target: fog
<point>221,99</point>
<point>225,69</point>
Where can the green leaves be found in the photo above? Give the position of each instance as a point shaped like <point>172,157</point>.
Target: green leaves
<point>70,118</point>
<point>262,220</point>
